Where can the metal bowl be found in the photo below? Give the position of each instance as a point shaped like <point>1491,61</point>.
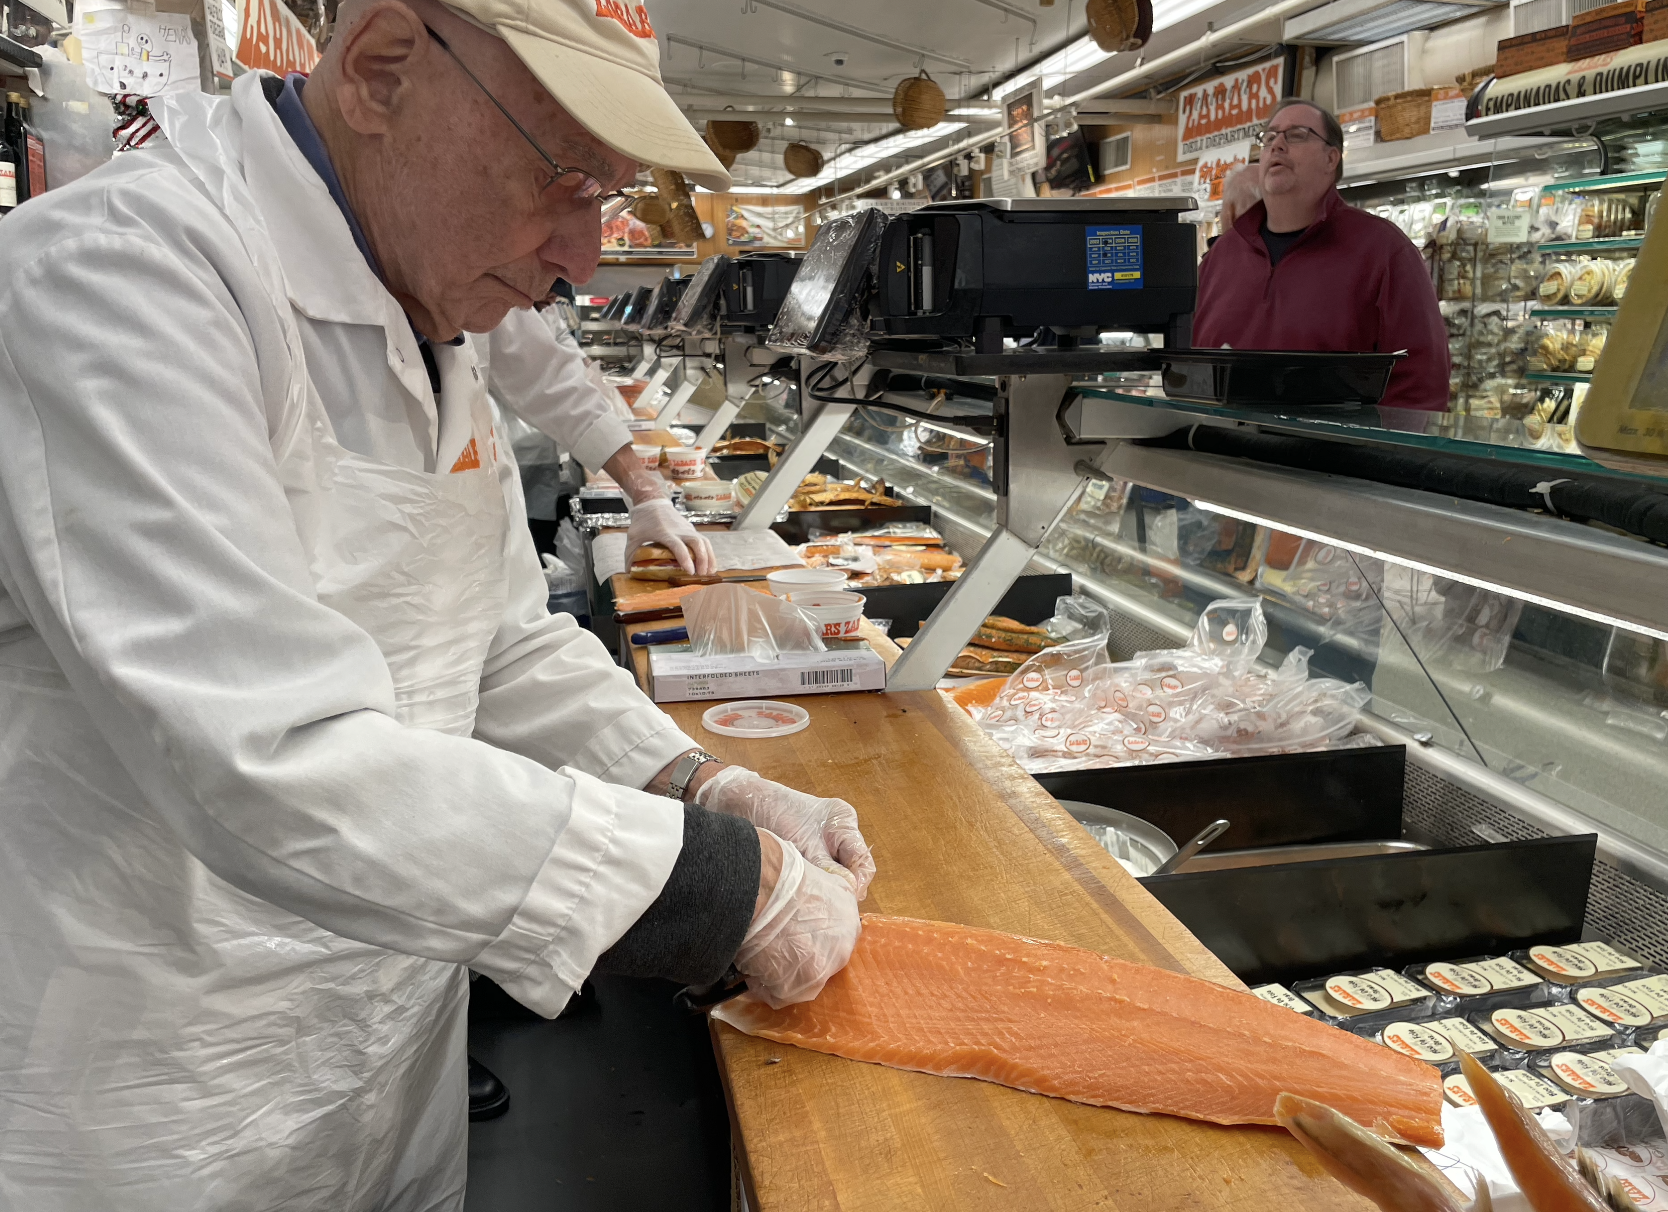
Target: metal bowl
<point>1140,846</point>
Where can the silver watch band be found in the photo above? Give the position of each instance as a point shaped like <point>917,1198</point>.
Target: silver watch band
<point>684,770</point>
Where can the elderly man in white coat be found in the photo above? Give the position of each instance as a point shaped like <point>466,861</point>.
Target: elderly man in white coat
<point>287,738</point>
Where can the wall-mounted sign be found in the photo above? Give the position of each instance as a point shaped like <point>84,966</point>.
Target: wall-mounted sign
<point>1026,150</point>
<point>272,38</point>
<point>1230,109</point>
<point>1631,68</point>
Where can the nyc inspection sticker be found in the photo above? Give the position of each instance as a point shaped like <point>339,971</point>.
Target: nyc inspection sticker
<point>1114,258</point>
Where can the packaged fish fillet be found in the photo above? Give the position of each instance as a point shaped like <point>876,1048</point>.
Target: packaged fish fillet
<point>1546,1028</point>
<point>1282,996</point>
<point>1420,1040</point>
<point>1353,996</point>
<point>1626,1002</point>
<point>1573,963</point>
<point>1482,981</point>
<point>1602,1109</point>
<point>1530,1089</point>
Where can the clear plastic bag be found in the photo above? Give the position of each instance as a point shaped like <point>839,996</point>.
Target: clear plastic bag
<point>1071,707</point>
<point>726,620</point>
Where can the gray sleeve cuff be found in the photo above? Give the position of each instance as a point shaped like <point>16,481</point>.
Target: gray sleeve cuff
<point>694,928</point>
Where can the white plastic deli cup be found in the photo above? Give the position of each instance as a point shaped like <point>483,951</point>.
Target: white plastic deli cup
<point>837,612</point>
<point>648,456</point>
<point>709,496</point>
<point>784,581</point>
<point>687,462</point>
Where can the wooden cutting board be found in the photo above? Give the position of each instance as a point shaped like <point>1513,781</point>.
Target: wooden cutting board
<point>960,833</point>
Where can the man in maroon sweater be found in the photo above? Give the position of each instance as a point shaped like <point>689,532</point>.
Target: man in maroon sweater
<point>1303,269</point>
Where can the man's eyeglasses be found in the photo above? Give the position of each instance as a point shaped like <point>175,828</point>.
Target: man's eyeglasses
<point>570,187</point>
<point>1295,136</point>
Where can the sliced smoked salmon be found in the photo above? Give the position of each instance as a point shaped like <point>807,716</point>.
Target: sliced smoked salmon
<point>963,1002</point>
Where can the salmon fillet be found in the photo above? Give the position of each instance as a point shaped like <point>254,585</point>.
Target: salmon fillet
<point>963,1002</point>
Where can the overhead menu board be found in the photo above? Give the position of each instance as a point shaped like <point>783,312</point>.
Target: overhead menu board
<point>1228,110</point>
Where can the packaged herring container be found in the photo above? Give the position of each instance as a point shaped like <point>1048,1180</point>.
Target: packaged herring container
<point>1482,981</point>
<point>1546,1028</point>
<point>1350,996</point>
<point>1628,1002</point>
<point>1602,1108</point>
<point>1282,996</point>
<point>1530,1089</point>
<point>1574,963</point>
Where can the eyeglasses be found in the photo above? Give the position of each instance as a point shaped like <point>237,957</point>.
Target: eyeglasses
<point>573,186</point>
<point>1295,136</point>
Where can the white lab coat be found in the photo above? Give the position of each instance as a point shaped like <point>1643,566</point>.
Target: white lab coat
<point>541,376</point>
<point>237,796</point>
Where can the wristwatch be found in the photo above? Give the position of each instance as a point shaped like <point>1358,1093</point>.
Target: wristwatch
<point>683,770</point>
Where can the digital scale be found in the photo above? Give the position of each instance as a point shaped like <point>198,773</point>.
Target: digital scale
<point>881,307</point>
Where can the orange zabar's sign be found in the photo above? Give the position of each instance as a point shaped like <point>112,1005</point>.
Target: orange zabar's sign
<point>272,38</point>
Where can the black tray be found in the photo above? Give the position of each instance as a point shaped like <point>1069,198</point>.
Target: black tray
<point>1277,378</point>
<point>1030,600</point>
<point>1279,799</point>
<point>801,522</point>
<point>1297,920</point>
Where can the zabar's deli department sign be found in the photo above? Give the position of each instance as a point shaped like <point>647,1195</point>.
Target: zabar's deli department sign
<point>272,38</point>
<point>1230,109</point>
<point>1631,68</point>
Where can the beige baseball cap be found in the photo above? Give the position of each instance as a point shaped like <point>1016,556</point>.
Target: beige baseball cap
<point>600,59</point>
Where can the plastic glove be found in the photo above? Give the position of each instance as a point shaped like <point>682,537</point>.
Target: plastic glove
<point>803,935</point>
<point>824,831</point>
<point>658,521</point>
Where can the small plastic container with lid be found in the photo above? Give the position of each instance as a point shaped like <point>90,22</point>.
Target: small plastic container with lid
<point>1546,1028</point>
<point>1602,1109</point>
<point>1482,982</point>
<point>1628,1002</point>
<point>1282,996</point>
<point>1530,1089</point>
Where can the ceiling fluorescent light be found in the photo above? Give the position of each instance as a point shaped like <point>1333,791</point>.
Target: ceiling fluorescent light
<point>1362,22</point>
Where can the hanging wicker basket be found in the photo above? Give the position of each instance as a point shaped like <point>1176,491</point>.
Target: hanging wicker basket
<point>726,158</point>
<point>1120,25</point>
<point>683,224</point>
<point>918,102</point>
<point>733,137</point>
<point>802,160</point>
<point>651,209</point>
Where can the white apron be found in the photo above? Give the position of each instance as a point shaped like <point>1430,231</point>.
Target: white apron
<point>251,1060</point>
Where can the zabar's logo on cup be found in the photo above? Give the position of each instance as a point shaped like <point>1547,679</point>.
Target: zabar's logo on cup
<point>636,20</point>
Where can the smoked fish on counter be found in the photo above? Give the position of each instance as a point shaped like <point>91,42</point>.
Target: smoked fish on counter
<point>959,1001</point>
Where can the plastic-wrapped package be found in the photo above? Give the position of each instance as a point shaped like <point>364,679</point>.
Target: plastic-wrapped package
<point>724,620</point>
<point>1450,623</point>
<point>1071,707</point>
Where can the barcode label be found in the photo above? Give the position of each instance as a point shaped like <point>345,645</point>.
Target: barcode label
<point>826,677</point>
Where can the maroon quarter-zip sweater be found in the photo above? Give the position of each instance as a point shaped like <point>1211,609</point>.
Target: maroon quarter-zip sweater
<point>1352,282</point>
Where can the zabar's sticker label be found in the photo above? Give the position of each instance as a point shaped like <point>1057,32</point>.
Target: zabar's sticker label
<point>1526,1028</point>
<point>1032,706</point>
<point>1533,1092</point>
<point>1421,1043</point>
<point>1230,632</point>
<point>1156,713</point>
<point>1604,957</point>
<point>1458,978</point>
<point>1120,698</point>
<point>996,715</point>
<point>1074,678</point>
<point>1577,1025</point>
<point>1464,1036</point>
<point>1399,987</point>
<point>1033,678</point>
<point>1504,973</point>
<point>1170,684</point>
<point>1143,691</point>
<point>1077,742</point>
<point>1358,995</point>
<point>1281,996</point>
<point>1458,1091</point>
<point>1135,744</point>
<point>1651,991</point>
<point>1563,962</point>
<point>1045,734</point>
<point>1050,719</point>
<point>1614,1006</point>
<point>1586,1075</point>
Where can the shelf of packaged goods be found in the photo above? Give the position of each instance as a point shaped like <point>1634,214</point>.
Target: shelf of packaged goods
<point>1618,244</point>
<point>1557,376</point>
<point>1573,313</point>
<point>1594,184</point>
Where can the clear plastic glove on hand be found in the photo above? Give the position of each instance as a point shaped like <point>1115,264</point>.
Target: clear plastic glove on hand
<point>658,521</point>
<point>824,831</point>
<point>802,935</point>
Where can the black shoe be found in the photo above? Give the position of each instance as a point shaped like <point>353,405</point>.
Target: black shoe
<point>488,1098</point>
